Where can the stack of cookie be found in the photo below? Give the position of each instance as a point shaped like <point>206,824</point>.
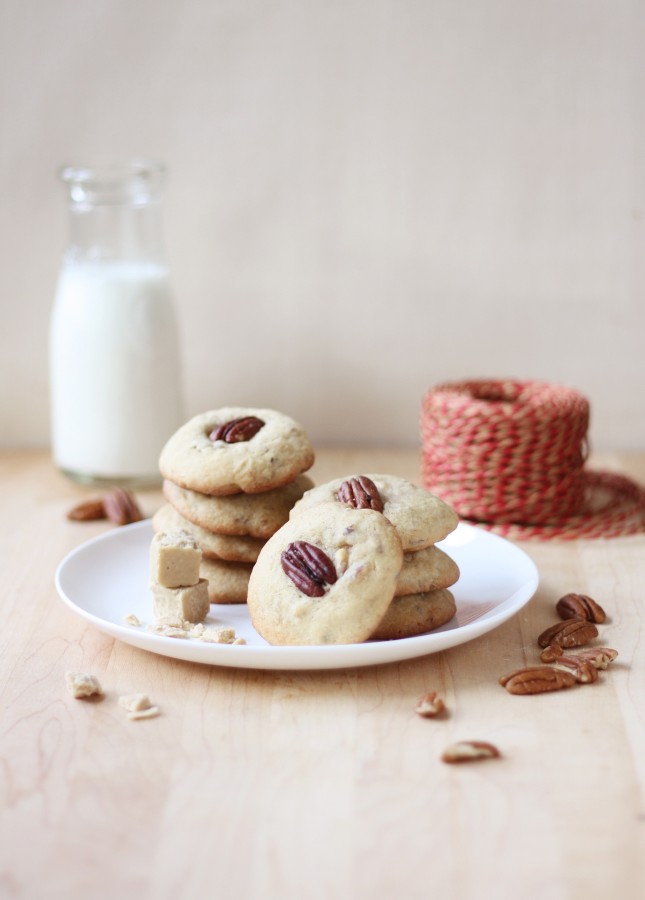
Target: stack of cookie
<point>372,536</point>
<point>231,477</point>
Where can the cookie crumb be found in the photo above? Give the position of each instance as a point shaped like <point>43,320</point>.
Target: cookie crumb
<point>218,635</point>
<point>148,713</point>
<point>470,751</point>
<point>138,706</point>
<point>82,684</point>
<point>132,619</point>
<point>174,631</point>
<point>135,702</point>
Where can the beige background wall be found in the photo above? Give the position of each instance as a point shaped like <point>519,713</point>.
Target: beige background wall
<point>366,197</point>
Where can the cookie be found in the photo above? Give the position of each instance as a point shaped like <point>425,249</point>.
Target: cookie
<point>228,582</point>
<point>254,515</point>
<point>420,517</point>
<point>234,449</point>
<point>415,614</point>
<point>213,546</point>
<point>326,577</point>
<point>426,570</point>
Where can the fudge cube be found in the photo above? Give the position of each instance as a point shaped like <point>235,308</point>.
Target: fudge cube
<point>175,558</point>
<point>174,606</point>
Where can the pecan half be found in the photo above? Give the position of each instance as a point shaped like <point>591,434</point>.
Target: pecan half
<point>470,751</point>
<point>309,567</point>
<point>580,606</point>
<point>429,705</point>
<point>361,493</point>
<point>237,430</point>
<point>121,506</point>
<point>583,671</point>
<point>599,657</point>
<point>570,633</point>
<point>537,680</point>
<point>87,511</point>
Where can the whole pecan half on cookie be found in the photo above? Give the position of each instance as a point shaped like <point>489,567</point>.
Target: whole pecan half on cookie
<point>237,430</point>
<point>361,493</point>
<point>309,567</point>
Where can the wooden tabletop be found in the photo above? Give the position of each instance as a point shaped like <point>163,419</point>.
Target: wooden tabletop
<point>325,784</point>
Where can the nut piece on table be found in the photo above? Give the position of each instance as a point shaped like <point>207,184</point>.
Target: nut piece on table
<point>582,669</point>
<point>551,653</point>
<point>580,606</point>
<point>87,511</point>
<point>599,657</point>
<point>118,505</point>
<point>429,705</point>
<point>537,680</point>
<point>82,684</point>
<point>470,751</point>
<point>121,508</point>
<point>570,633</point>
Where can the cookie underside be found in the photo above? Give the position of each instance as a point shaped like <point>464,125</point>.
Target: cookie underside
<point>415,614</point>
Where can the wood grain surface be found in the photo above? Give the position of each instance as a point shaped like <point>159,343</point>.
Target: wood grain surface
<point>254,784</point>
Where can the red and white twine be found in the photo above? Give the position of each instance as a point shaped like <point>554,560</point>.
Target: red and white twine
<point>511,456</point>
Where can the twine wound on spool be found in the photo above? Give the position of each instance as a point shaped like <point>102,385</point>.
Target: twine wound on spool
<point>510,455</point>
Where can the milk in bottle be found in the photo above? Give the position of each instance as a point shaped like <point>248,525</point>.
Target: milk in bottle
<point>114,356</point>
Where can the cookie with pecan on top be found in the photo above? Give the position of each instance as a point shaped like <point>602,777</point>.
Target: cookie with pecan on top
<point>421,518</point>
<point>326,577</point>
<point>235,449</point>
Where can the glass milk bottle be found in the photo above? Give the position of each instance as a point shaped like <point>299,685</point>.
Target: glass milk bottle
<point>114,356</point>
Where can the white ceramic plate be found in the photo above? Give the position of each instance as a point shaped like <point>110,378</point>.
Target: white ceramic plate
<point>106,578</point>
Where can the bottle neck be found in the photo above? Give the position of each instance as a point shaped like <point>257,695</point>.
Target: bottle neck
<point>115,212</point>
<point>115,232</point>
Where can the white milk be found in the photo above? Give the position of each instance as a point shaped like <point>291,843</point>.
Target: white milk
<point>114,370</point>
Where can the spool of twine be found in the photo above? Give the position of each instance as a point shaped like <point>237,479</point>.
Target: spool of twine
<point>511,455</point>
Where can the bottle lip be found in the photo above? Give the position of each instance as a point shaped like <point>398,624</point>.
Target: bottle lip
<point>135,181</point>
